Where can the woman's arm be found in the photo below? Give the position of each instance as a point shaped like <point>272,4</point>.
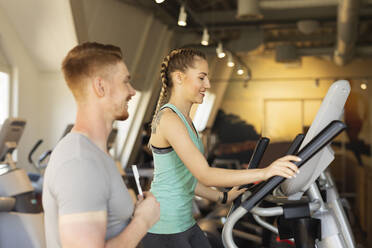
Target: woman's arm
<point>208,193</point>
<point>216,195</point>
<point>173,130</point>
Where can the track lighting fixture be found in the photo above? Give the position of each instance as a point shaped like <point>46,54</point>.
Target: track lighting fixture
<point>219,51</point>
<point>205,37</point>
<point>230,60</point>
<point>182,17</point>
<point>240,70</point>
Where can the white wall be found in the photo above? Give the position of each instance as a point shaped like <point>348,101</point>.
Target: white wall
<point>25,78</point>
<point>113,22</point>
<point>42,98</point>
<point>57,108</point>
<point>45,27</point>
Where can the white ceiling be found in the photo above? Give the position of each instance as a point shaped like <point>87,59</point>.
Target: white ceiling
<point>45,27</point>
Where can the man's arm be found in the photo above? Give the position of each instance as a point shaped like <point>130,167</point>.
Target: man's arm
<point>83,229</point>
<point>82,192</point>
<point>89,229</point>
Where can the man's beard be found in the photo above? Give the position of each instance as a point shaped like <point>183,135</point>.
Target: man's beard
<point>122,117</point>
<point>122,111</point>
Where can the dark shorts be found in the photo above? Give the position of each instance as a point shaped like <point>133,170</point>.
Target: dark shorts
<point>191,238</point>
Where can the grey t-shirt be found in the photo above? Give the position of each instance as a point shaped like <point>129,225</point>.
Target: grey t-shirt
<point>81,178</point>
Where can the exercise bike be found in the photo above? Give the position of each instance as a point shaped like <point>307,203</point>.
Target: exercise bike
<point>21,216</point>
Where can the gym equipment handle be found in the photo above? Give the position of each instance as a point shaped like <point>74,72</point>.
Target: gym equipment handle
<point>38,143</point>
<point>255,160</point>
<point>295,144</point>
<point>258,153</point>
<point>316,144</point>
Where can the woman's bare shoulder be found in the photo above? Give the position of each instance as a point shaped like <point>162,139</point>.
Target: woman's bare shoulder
<point>166,118</point>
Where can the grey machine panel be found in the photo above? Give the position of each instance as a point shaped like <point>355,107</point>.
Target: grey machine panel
<point>336,97</point>
<point>22,230</point>
<point>17,229</point>
<point>10,134</point>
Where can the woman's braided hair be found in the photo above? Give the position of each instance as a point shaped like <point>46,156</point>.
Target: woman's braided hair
<point>177,60</point>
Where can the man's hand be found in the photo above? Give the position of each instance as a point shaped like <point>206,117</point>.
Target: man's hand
<point>146,214</point>
<point>147,209</point>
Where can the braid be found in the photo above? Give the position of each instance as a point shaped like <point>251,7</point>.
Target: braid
<point>161,101</point>
<point>178,59</point>
<point>163,92</point>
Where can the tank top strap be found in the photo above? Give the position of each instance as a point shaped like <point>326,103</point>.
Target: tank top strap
<point>191,130</point>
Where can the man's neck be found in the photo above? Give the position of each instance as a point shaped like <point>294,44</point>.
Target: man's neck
<point>93,123</point>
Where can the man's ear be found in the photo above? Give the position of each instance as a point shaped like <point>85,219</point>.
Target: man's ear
<point>99,86</point>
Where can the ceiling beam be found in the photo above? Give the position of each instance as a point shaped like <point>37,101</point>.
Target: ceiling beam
<point>228,18</point>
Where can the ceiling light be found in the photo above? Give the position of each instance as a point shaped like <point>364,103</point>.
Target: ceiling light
<point>159,1</point>
<point>230,60</point>
<point>205,37</point>
<point>219,51</point>
<point>182,17</point>
<point>363,86</point>
<point>240,71</point>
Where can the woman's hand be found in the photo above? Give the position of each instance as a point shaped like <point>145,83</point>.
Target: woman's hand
<point>282,167</point>
<point>234,193</point>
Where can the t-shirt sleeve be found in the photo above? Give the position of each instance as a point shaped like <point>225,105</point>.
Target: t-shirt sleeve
<point>80,186</point>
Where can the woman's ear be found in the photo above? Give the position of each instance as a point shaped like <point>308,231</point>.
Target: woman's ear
<point>99,86</point>
<point>178,77</point>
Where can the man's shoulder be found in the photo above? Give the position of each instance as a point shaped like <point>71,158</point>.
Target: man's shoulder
<point>74,159</point>
<point>75,146</point>
<point>74,149</point>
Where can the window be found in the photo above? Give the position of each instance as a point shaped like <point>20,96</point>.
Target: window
<point>124,127</point>
<point>4,96</point>
<point>203,111</point>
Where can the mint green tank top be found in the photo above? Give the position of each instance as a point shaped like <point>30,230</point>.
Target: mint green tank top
<point>173,186</point>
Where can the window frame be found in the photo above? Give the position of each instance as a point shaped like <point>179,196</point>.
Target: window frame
<point>6,71</point>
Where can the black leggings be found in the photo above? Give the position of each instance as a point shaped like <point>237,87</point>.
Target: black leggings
<point>192,237</point>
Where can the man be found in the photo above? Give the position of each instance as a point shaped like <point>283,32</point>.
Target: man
<point>85,200</point>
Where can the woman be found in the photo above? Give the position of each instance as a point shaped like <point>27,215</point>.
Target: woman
<point>180,167</point>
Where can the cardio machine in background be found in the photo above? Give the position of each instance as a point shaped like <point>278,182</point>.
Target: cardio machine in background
<point>308,207</point>
<point>21,216</point>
